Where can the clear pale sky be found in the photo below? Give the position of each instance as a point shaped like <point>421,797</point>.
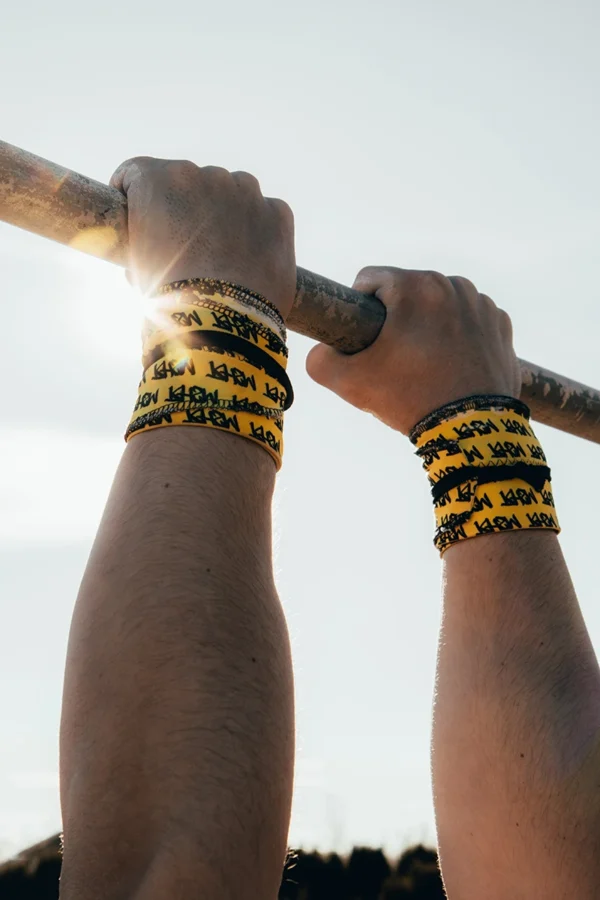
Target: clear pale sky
<point>458,135</point>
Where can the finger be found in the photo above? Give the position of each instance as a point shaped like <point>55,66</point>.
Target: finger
<point>216,174</point>
<point>128,170</point>
<point>339,373</point>
<point>283,211</point>
<point>323,364</point>
<point>247,181</point>
<point>462,286</point>
<point>505,324</point>
<point>374,278</point>
<point>518,375</point>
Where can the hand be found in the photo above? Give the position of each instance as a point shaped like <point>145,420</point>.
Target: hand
<point>441,341</point>
<point>191,222</point>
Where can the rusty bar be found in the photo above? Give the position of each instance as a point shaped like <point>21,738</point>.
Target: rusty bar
<point>561,402</point>
<point>56,203</point>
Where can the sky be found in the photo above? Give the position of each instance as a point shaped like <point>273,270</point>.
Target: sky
<point>457,135</point>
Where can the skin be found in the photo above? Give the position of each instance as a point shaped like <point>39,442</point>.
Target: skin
<point>516,733</point>
<point>177,731</point>
<point>177,735</point>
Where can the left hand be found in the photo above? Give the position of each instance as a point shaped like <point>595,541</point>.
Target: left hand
<point>190,222</point>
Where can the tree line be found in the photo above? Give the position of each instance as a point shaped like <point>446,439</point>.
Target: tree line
<point>363,874</point>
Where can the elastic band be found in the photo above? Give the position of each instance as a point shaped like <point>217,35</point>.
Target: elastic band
<point>214,340</point>
<point>185,315</point>
<point>536,476</point>
<point>214,356</point>
<point>266,433</point>
<point>486,468</point>
<point>479,402</point>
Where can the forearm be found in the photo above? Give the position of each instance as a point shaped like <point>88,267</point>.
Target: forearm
<point>516,725</point>
<point>177,737</point>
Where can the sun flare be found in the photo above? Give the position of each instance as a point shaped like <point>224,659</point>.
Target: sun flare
<point>107,313</point>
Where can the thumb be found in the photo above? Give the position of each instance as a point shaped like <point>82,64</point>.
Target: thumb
<point>128,171</point>
<point>323,365</point>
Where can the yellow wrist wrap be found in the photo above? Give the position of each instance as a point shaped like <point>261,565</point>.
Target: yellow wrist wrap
<point>215,359</point>
<point>486,468</point>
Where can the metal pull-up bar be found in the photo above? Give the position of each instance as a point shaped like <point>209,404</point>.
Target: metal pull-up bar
<point>64,206</point>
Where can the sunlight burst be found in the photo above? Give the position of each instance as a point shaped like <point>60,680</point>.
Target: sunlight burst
<point>106,312</point>
<point>97,241</point>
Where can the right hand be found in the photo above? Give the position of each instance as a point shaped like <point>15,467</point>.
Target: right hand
<point>441,341</point>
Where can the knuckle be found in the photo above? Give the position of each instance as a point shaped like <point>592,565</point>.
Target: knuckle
<point>135,165</point>
<point>367,272</point>
<point>377,271</point>
<point>283,210</point>
<point>371,279</point>
<point>140,162</point>
<point>182,167</point>
<point>463,285</point>
<point>367,280</point>
<point>505,320</point>
<point>434,284</point>
<point>246,179</point>
<point>131,171</point>
<point>216,172</point>
<point>484,298</point>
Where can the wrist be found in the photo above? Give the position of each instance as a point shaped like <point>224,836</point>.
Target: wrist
<point>235,293</point>
<point>214,356</point>
<point>486,469</point>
